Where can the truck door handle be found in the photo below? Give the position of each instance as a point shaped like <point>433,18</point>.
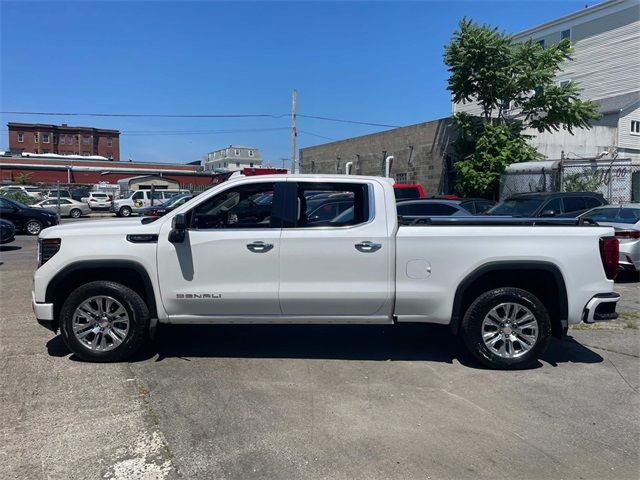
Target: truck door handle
<point>367,247</point>
<point>259,247</point>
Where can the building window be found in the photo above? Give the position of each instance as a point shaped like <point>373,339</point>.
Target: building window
<point>55,139</point>
<point>237,164</point>
<point>251,165</point>
<point>251,153</point>
<point>85,139</point>
<point>45,151</point>
<point>564,83</point>
<point>635,127</point>
<point>45,138</point>
<point>69,139</point>
<point>541,43</point>
<point>36,137</point>
<point>109,142</point>
<point>565,34</point>
<point>61,140</point>
<point>237,152</point>
<point>20,137</point>
<point>225,164</point>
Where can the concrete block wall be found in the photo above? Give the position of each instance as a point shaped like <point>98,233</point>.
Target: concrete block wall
<point>421,153</point>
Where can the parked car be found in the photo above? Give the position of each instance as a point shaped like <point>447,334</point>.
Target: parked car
<point>7,231</point>
<point>26,219</point>
<point>98,201</point>
<point>79,193</point>
<point>625,219</point>
<point>543,204</point>
<point>475,206</point>
<point>68,207</point>
<point>33,192</point>
<point>166,207</point>
<point>408,191</point>
<point>55,193</point>
<point>139,199</point>
<point>412,210</point>
<point>505,290</point>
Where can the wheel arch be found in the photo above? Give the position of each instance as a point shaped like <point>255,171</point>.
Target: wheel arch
<point>542,279</point>
<point>127,272</point>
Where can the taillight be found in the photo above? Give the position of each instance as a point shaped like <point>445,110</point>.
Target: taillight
<point>633,234</point>
<point>610,253</point>
<point>92,200</point>
<point>47,248</point>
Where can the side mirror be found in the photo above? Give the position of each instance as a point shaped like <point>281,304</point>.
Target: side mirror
<point>178,228</point>
<point>548,213</point>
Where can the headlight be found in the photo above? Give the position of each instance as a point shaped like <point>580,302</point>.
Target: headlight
<point>47,248</point>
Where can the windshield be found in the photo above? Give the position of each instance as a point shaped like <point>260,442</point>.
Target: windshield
<point>175,200</point>
<point>518,207</point>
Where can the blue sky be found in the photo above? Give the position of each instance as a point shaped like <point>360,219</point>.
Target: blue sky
<point>377,62</point>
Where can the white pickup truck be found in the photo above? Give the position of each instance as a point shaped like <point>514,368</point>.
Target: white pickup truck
<point>248,251</point>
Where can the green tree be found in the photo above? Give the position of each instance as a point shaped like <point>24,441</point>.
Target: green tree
<point>22,178</point>
<point>514,86</point>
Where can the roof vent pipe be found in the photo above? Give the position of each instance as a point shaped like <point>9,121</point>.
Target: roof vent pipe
<point>348,168</point>
<point>388,162</point>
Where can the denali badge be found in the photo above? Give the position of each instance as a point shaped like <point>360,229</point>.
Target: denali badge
<point>196,296</point>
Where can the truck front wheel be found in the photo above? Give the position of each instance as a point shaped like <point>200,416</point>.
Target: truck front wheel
<point>124,212</point>
<point>104,321</point>
<point>506,328</point>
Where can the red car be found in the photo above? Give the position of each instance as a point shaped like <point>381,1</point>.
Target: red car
<point>408,191</point>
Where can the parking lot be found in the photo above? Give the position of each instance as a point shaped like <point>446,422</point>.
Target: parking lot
<point>345,402</point>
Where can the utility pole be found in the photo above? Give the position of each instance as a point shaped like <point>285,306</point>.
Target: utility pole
<point>294,131</point>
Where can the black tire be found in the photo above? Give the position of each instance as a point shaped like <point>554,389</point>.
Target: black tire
<point>472,329</point>
<point>33,227</point>
<point>135,307</point>
<point>124,212</point>
<point>75,213</point>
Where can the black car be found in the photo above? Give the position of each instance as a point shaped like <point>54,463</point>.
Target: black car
<point>26,219</point>
<point>411,210</point>
<point>7,231</point>
<point>542,204</point>
<point>164,208</point>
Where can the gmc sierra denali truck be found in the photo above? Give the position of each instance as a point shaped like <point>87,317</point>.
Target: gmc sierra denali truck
<point>248,251</point>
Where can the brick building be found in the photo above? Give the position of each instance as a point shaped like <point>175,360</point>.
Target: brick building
<point>422,154</point>
<point>63,140</point>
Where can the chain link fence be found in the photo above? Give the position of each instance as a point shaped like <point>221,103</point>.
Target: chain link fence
<point>617,181</point>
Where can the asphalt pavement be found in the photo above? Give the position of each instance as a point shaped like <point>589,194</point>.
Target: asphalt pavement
<point>284,402</point>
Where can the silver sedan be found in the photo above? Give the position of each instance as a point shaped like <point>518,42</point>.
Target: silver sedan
<point>68,207</point>
<point>625,219</point>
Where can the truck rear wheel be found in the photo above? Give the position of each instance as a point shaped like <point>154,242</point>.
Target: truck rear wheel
<point>506,328</point>
<point>104,321</point>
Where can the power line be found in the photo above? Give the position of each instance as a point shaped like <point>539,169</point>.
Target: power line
<point>315,135</point>
<point>198,132</point>
<point>329,119</point>
<point>154,115</point>
<point>168,115</point>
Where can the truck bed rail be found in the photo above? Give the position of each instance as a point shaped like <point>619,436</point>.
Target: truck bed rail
<point>487,221</point>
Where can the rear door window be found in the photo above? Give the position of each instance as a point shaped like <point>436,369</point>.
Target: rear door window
<point>331,204</point>
<point>426,209</point>
<point>574,204</point>
<point>592,202</point>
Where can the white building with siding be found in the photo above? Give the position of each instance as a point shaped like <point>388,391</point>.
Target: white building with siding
<point>606,64</point>
<point>233,158</point>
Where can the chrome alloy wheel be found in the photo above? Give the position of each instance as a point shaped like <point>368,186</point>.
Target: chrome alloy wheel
<point>33,227</point>
<point>510,330</point>
<point>101,323</point>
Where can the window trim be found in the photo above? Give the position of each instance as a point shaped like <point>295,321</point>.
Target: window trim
<point>20,136</point>
<point>46,137</point>
<point>631,125</point>
<point>280,194</point>
<point>293,194</point>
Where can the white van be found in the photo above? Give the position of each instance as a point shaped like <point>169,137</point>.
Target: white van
<point>139,199</point>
